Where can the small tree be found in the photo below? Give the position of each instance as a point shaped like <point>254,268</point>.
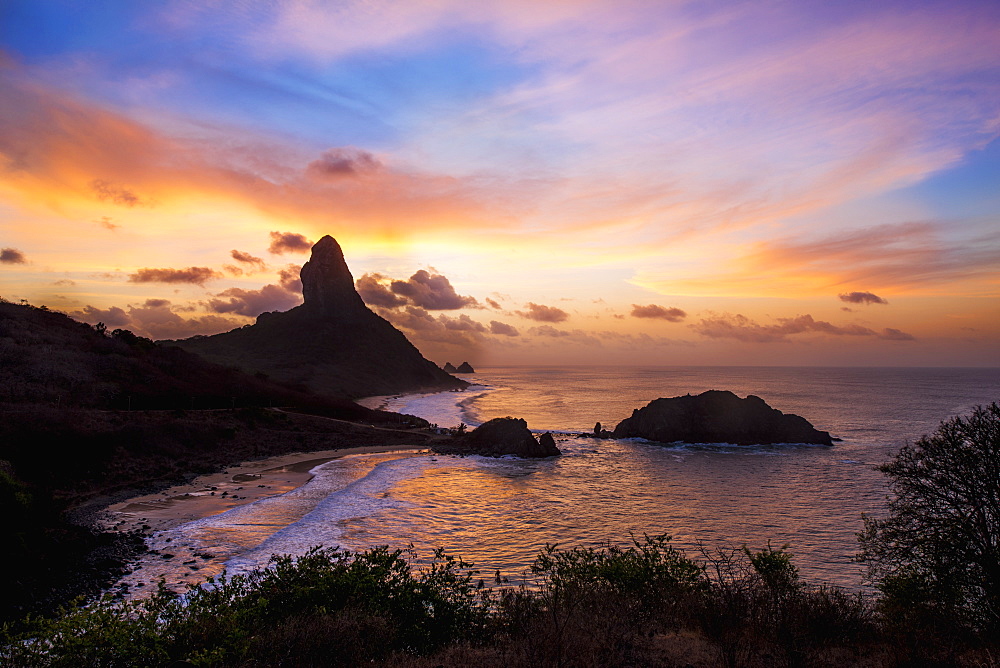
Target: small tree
<point>939,544</point>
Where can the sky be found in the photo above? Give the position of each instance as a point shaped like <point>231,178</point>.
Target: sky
<point>568,182</point>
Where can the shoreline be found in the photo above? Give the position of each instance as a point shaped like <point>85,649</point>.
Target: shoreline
<point>218,492</point>
<point>377,402</point>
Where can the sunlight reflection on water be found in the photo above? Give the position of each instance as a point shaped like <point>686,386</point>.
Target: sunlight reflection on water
<point>500,513</point>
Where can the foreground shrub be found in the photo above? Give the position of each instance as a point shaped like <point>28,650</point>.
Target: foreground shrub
<point>331,605</point>
<point>644,604</point>
<point>936,554</point>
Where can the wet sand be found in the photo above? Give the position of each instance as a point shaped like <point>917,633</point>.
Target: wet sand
<point>218,492</point>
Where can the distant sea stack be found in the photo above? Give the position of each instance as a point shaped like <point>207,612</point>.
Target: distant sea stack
<point>464,367</point>
<point>718,417</point>
<point>332,344</point>
<point>507,436</point>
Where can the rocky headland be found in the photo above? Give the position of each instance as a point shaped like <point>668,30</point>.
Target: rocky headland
<point>89,416</point>
<point>718,416</point>
<point>332,344</point>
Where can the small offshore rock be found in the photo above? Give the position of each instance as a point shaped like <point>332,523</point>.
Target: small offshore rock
<point>507,436</point>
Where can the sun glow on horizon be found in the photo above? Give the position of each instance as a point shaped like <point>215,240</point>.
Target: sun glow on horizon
<point>588,182</point>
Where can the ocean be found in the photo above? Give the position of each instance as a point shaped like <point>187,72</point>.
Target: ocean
<point>498,513</point>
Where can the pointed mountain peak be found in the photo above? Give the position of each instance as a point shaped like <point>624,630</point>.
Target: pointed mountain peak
<point>327,283</point>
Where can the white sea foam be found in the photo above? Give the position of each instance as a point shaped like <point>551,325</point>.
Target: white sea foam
<point>323,525</point>
<point>499,512</point>
<point>445,409</point>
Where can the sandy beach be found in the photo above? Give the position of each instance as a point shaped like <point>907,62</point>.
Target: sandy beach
<point>216,493</point>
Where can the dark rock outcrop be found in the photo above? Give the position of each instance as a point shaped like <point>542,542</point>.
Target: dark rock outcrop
<point>331,344</point>
<point>548,444</point>
<point>599,432</point>
<point>507,436</point>
<point>465,367</point>
<point>449,367</point>
<point>718,417</point>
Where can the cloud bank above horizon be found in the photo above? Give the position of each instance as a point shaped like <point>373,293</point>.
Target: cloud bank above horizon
<point>689,182</point>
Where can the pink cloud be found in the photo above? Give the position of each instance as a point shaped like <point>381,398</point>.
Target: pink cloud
<point>431,291</point>
<point>741,328</point>
<point>12,256</point>
<point>254,263</point>
<point>254,302</point>
<point>503,329</point>
<point>543,313</point>
<point>193,275</point>
<point>289,242</point>
<point>671,314</point>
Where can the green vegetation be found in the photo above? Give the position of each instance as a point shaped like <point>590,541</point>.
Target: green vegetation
<point>87,415</point>
<point>934,558</point>
<point>612,606</point>
<point>936,554</point>
<point>645,604</point>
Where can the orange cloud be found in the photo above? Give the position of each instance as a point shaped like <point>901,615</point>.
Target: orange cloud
<point>157,319</point>
<point>889,256</point>
<point>56,150</point>
<point>660,312</point>
<point>861,298</point>
<point>12,256</point>
<point>916,256</point>
<point>542,313</point>
<point>255,263</point>
<point>252,303</point>
<point>192,275</point>
<point>742,328</point>
<point>289,242</point>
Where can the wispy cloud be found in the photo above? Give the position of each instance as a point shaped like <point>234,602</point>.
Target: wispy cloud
<point>157,319</point>
<point>109,192</point>
<point>742,328</point>
<point>192,275</point>
<point>911,256</point>
<point>861,298</point>
<point>255,263</point>
<point>655,311</point>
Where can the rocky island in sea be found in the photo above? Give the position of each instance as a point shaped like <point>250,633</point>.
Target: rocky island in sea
<point>718,416</point>
<point>504,436</point>
<point>331,344</point>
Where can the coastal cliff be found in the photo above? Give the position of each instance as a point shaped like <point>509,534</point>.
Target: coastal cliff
<point>331,344</point>
<point>718,416</point>
<point>90,415</point>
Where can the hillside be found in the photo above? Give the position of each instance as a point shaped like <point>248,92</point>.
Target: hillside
<point>332,343</point>
<point>86,415</point>
<point>49,358</point>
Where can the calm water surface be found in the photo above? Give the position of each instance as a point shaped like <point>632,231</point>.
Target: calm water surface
<point>499,512</point>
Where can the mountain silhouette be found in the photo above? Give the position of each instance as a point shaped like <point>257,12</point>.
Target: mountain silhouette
<point>331,344</point>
